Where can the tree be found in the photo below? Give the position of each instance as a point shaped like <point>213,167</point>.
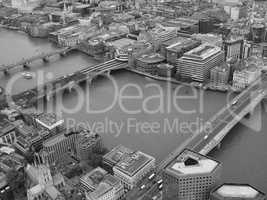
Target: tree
<point>15,179</point>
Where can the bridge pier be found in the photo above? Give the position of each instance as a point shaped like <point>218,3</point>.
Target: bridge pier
<point>26,65</point>
<point>108,73</point>
<point>219,146</point>
<point>6,72</point>
<point>45,59</point>
<point>62,54</point>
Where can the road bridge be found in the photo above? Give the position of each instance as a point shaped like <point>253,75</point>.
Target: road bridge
<point>47,90</point>
<point>42,56</point>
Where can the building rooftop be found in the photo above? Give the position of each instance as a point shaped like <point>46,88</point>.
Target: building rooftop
<point>151,58</point>
<point>189,163</point>
<point>49,120</point>
<point>101,190</point>
<point>202,52</point>
<point>133,162</point>
<point>243,191</point>
<point>6,127</point>
<point>117,154</point>
<point>94,177</point>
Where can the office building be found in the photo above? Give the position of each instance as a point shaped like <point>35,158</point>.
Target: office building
<point>236,191</point>
<point>233,47</point>
<point>247,49</point>
<point>115,156</point>
<point>87,142</point>
<point>190,176</point>
<point>219,75</point>
<point>90,181</point>
<point>103,192</point>
<point>196,64</point>
<point>244,77</point>
<point>50,122</point>
<point>210,38</point>
<point>7,132</point>
<point>148,62</point>
<point>109,189</point>
<point>133,168</point>
<point>56,146</point>
<point>176,47</point>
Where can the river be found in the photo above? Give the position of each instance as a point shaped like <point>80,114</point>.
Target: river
<point>129,120</point>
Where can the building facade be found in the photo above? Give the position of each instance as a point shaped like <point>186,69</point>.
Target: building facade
<point>190,176</point>
<point>197,63</point>
<point>133,168</point>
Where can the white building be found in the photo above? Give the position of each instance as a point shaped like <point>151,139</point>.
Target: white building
<point>243,78</point>
<point>133,168</point>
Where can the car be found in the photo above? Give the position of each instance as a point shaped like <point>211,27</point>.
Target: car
<point>160,181</point>
<point>234,102</point>
<point>142,187</point>
<point>206,137</point>
<point>160,187</point>
<point>151,176</point>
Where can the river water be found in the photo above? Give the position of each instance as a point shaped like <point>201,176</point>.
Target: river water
<point>130,121</point>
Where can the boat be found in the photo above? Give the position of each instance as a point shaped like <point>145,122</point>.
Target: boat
<point>27,75</point>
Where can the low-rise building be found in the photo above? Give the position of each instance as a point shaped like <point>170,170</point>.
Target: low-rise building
<point>148,62</point>
<point>133,168</point>
<point>115,156</point>
<point>230,191</point>
<point>90,181</point>
<point>109,189</point>
<point>244,77</point>
<point>50,122</point>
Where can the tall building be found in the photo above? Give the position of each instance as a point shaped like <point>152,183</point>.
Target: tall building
<point>86,143</point>
<point>196,64</point>
<point>58,145</point>
<point>233,47</point>
<point>133,168</point>
<point>236,191</point>
<point>190,176</point>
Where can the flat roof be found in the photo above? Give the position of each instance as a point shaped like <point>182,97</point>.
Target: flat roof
<point>203,51</point>
<point>94,177</point>
<point>151,58</point>
<point>201,164</point>
<point>133,162</point>
<point>49,120</point>
<point>231,190</point>
<point>117,154</point>
<point>101,190</point>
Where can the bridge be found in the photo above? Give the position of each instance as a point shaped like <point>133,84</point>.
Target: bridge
<point>47,90</point>
<point>204,140</point>
<point>42,56</point>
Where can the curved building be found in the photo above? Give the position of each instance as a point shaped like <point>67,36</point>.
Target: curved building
<point>148,62</point>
